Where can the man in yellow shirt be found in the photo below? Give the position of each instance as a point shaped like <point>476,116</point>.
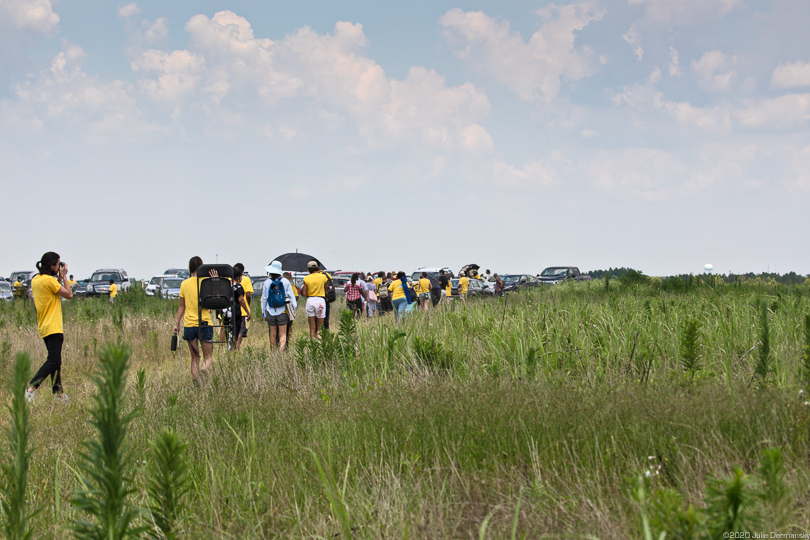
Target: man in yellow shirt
<point>463,287</point>
<point>315,291</point>
<point>247,285</point>
<point>113,290</point>
<point>72,283</point>
<point>18,288</point>
<point>194,329</point>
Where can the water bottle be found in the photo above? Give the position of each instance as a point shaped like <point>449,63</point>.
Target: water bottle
<point>174,342</point>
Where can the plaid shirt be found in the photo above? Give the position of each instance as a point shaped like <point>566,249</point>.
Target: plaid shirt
<point>353,292</point>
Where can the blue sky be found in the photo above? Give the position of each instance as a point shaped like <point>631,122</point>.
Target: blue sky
<point>656,134</point>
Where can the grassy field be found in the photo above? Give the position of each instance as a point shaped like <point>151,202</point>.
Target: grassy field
<point>580,411</point>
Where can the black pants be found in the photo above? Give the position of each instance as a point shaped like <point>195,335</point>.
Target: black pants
<point>326,317</point>
<point>53,365</point>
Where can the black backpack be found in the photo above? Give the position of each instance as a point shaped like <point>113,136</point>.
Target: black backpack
<point>329,287</point>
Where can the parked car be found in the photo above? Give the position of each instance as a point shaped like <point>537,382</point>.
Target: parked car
<point>431,271</point>
<point>476,288</point>
<point>22,275</point>
<point>154,284</point>
<point>5,291</point>
<point>170,287</point>
<point>258,283</point>
<point>513,282</point>
<point>179,272</point>
<point>81,288</point>
<point>99,284</point>
<point>557,274</point>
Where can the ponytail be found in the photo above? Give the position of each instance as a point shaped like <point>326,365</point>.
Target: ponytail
<point>48,260</point>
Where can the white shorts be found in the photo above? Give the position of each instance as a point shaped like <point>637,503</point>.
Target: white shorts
<point>316,307</point>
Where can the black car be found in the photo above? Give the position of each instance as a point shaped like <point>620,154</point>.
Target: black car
<point>513,282</point>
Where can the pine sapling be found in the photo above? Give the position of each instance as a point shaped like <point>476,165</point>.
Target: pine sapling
<point>16,522</point>
<point>105,461</point>
<point>773,491</point>
<point>169,482</point>
<point>729,505</point>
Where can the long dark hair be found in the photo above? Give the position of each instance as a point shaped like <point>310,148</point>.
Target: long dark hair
<point>193,264</point>
<point>354,278</point>
<point>46,262</point>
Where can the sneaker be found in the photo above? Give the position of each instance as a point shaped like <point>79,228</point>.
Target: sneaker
<point>62,398</point>
<point>29,396</point>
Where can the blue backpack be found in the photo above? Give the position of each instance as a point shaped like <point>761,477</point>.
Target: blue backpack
<point>276,298</point>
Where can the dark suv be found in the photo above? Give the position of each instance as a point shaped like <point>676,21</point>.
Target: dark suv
<point>99,284</point>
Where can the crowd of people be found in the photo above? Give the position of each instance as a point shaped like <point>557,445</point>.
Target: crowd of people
<point>371,295</point>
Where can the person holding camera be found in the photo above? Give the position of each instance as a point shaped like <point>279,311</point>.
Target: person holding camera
<point>48,288</point>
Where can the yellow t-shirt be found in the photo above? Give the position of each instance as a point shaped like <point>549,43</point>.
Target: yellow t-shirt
<point>463,285</point>
<point>315,284</point>
<point>17,288</point>
<point>248,286</point>
<point>449,288</point>
<point>396,289</point>
<point>377,283</point>
<point>423,286</point>
<point>49,307</point>
<point>113,290</point>
<point>188,291</point>
<point>71,283</point>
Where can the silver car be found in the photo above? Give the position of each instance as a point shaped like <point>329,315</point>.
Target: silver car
<point>5,291</point>
<point>170,288</point>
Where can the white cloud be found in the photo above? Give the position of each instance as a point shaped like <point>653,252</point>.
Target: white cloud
<point>65,90</point>
<point>633,37</point>
<point>791,75</point>
<point>128,10</point>
<point>536,175</point>
<point>715,118</point>
<point>685,11</point>
<point>178,73</point>
<point>712,70</point>
<point>532,69</point>
<point>674,65</point>
<point>782,112</point>
<point>332,70</point>
<point>35,15</point>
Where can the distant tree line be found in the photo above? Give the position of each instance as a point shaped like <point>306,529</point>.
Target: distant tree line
<point>791,278</point>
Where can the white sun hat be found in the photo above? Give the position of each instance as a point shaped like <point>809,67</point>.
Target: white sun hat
<point>274,268</point>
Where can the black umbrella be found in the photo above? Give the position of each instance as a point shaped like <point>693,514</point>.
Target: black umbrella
<point>296,262</point>
<point>465,270</point>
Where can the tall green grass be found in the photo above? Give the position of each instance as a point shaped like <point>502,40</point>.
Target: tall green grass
<point>527,417</point>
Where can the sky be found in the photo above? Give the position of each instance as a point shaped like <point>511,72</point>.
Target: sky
<point>661,135</point>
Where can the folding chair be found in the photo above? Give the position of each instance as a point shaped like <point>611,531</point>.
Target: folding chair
<point>217,293</point>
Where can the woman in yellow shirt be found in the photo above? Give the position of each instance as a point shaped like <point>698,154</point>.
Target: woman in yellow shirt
<point>400,295</point>
<point>194,329</point>
<point>48,288</point>
<point>423,292</point>
<point>315,291</point>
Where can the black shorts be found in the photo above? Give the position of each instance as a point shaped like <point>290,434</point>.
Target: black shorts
<point>356,304</point>
<point>278,320</point>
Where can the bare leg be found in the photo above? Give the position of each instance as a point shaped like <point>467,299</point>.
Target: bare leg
<point>208,355</point>
<point>314,326</point>
<point>318,325</point>
<point>195,360</point>
<point>274,332</point>
<point>282,337</point>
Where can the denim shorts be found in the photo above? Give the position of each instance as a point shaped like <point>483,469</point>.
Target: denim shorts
<point>424,296</point>
<point>193,333</point>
